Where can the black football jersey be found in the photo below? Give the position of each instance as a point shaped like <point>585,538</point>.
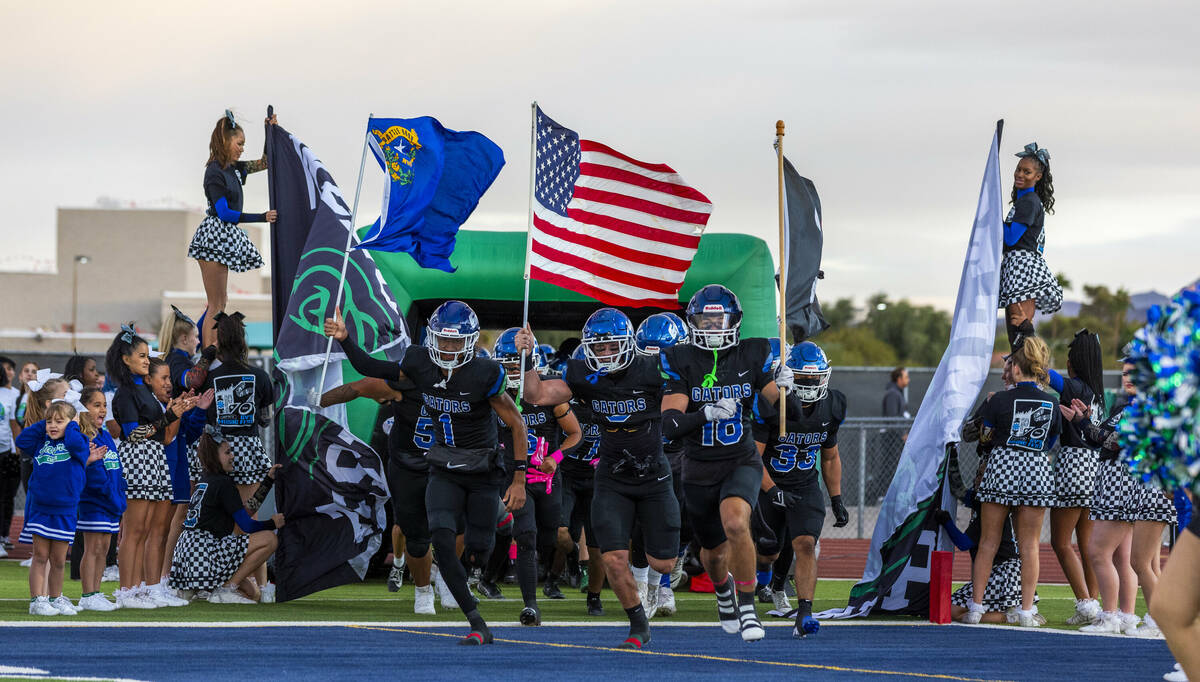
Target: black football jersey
<point>741,372</point>
<point>578,462</point>
<point>539,423</point>
<point>457,406</point>
<point>406,446</point>
<point>792,460</point>
<point>626,398</point>
<point>1022,418</point>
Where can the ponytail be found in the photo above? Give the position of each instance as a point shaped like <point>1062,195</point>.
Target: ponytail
<point>1033,357</point>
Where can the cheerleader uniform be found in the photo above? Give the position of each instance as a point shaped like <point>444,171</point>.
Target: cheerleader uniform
<point>1024,274</point>
<point>244,398</point>
<point>1021,425</point>
<point>102,501</point>
<point>1004,582</point>
<point>182,451</point>
<point>1117,491</point>
<point>56,482</point>
<point>143,458</point>
<point>209,552</point>
<point>218,238</point>
<point>1076,462</point>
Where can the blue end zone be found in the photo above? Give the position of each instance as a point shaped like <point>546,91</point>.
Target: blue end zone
<point>362,652</point>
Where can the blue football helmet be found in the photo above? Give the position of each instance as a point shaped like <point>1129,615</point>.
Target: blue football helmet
<point>811,370</point>
<point>714,315</point>
<point>505,352</point>
<point>482,352</point>
<point>660,330</point>
<point>608,325</point>
<point>452,334</point>
<point>548,356</point>
<point>775,354</point>
<point>578,354</point>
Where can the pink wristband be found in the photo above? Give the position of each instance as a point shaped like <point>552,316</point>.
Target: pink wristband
<point>557,456</point>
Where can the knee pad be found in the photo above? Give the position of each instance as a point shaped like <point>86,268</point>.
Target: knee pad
<point>416,550</point>
<point>526,542</point>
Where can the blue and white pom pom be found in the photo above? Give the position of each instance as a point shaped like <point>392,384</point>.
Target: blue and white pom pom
<point>1160,431</point>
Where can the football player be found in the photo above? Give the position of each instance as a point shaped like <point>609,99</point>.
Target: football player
<point>463,395</point>
<point>790,502</point>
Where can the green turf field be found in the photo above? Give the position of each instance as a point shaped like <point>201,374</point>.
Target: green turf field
<point>370,601</point>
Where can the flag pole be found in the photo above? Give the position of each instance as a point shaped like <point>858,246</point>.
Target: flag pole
<point>528,236</point>
<point>314,393</point>
<point>782,274</point>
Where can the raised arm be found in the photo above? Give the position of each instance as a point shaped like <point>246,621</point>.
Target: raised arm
<point>363,364</point>
<point>539,391</point>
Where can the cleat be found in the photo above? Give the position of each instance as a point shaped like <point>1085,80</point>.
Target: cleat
<point>594,607</point>
<point>780,599</point>
<point>650,601</point>
<point>764,594</point>
<point>530,616</point>
<point>423,601</point>
<point>395,579</point>
<point>752,629</point>
<point>476,639</point>
<point>727,613</point>
<point>488,590</point>
<point>550,589</point>
<point>666,602</point>
<point>635,642</point>
<point>806,626</point>
<point>677,573</point>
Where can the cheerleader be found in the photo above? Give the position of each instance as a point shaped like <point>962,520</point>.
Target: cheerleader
<point>144,426</point>
<point>1026,283</point>
<point>210,556</point>
<point>60,454</point>
<point>101,503</point>
<point>1075,469</point>
<point>1020,425</point>
<point>44,387</point>
<point>219,245</point>
<point>159,381</point>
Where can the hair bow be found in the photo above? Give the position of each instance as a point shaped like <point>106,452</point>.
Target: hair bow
<point>232,121</point>
<point>128,333</point>
<point>43,376</point>
<point>1032,150</point>
<point>214,432</point>
<point>179,315</point>
<point>223,315</point>
<point>72,398</point>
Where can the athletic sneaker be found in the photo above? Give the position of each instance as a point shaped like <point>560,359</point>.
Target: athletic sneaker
<point>1109,622</point>
<point>551,589</point>
<point>677,573</point>
<point>96,602</point>
<point>1086,611</point>
<point>530,616</point>
<point>111,574</point>
<point>666,601</point>
<point>975,613</point>
<point>650,601</point>
<point>763,592</point>
<point>64,606</point>
<point>267,594</point>
<point>1149,629</point>
<point>41,606</point>
<point>1176,675</point>
<point>131,599</point>
<point>1129,623</point>
<point>423,601</point>
<point>228,595</point>
<point>443,590</point>
<point>159,595</point>
<point>395,579</point>
<point>779,597</point>
<point>642,589</point>
<point>594,606</point>
<point>1028,619</point>
<point>27,563</point>
<point>3,552</point>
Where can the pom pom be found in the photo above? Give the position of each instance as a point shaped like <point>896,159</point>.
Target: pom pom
<point>1160,432</point>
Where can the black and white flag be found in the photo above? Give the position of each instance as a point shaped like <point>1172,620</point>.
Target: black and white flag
<point>802,226</point>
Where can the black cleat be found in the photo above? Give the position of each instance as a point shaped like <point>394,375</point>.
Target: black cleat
<point>594,607</point>
<point>635,640</point>
<point>488,590</point>
<point>530,616</point>
<point>476,638</point>
<point>550,589</point>
<point>764,594</point>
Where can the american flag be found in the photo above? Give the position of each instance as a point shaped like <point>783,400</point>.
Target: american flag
<point>608,226</point>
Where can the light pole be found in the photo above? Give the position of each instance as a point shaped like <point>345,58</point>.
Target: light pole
<point>79,260</point>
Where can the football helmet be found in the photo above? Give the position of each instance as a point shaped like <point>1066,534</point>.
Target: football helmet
<point>606,326</point>
<point>505,352</point>
<point>452,334</point>
<point>660,330</point>
<point>714,315</point>
<point>811,370</point>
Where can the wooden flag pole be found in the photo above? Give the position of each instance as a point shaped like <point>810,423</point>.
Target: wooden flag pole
<point>533,108</point>
<point>314,392</point>
<point>782,275</point>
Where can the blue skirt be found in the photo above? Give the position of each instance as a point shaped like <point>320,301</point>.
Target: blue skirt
<point>52,526</point>
<point>177,463</point>
<point>95,520</point>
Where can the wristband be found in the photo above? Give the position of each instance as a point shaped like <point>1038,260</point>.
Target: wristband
<point>557,456</point>
<point>529,365</point>
<point>520,465</point>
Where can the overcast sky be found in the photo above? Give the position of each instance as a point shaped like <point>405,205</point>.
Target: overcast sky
<point>889,109</point>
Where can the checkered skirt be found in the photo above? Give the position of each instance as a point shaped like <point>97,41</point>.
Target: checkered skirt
<point>1017,478</point>
<point>1075,476</point>
<point>1151,504</point>
<point>1003,588</point>
<point>221,242</point>
<point>1024,276</point>
<point>1116,494</point>
<point>203,561</point>
<point>250,460</point>
<point>146,473</point>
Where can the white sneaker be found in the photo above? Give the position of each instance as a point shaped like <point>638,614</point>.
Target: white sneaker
<point>64,606</point>
<point>1109,622</point>
<point>96,602</point>
<point>129,598</point>
<point>443,590</point>
<point>974,613</point>
<point>27,563</point>
<point>1129,622</point>
<point>3,552</point>
<point>1086,611</point>
<point>160,595</point>
<point>228,595</point>
<point>112,574</point>
<point>780,598</point>
<point>666,601</point>
<point>267,594</point>
<point>1176,675</point>
<point>1149,629</point>
<point>650,601</point>
<point>41,606</point>
<point>642,589</point>
<point>423,601</point>
<point>1029,619</point>
<point>677,573</point>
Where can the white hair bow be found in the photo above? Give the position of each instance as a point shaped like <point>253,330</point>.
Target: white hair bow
<point>43,377</point>
<point>72,398</point>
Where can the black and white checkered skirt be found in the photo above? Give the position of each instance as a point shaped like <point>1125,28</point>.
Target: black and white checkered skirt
<point>1151,504</point>
<point>1024,276</point>
<point>1116,494</point>
<point>147,475</point>
<point>1017,478</point>
<point>221,242</point>
<point>203,561</point>
<point>1003,588</point>
<point>1075,476</point>
<point>251,461</point>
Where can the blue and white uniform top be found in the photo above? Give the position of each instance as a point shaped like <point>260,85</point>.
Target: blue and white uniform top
<point>58,468</point>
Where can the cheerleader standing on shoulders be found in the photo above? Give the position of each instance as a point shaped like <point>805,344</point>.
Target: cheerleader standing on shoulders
<point>144,426</point>
<point>101,503</point>
<point>1075,469</point>
<point>1026,283</point>
<point>219,245</point>
<point>1020,425</point>
<point>209,555</point>
<point>60,453</point>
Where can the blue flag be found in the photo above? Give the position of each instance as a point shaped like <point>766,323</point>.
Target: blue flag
<point>435,179</point>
